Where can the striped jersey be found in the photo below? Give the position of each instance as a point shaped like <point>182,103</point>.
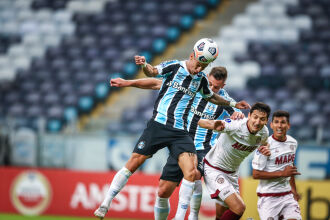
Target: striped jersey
<point>177,93</point>
<point>205,138</point>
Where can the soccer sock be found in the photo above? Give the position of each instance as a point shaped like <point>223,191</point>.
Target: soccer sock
<point>185,194</point>
<point>196,200</point>
<point>117,184</point>
<point>161,208</point>
<point>229,215</point>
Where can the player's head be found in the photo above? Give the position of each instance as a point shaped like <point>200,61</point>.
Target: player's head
<point>204,52</point>
<point>280,124</point>
<point>258,117</point>
<point>217,78</point>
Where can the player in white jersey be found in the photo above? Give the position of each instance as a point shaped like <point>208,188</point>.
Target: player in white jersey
<point>277,194</point>
<point>237,140</point>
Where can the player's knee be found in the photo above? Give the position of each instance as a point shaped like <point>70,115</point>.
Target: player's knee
<point>190,174</point>
<point>163,193</point>
<point>135,161</point>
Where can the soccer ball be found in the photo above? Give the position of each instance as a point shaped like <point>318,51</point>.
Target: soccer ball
<point>206,50</point>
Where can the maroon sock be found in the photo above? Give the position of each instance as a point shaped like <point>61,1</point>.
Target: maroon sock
<point>229,215</point>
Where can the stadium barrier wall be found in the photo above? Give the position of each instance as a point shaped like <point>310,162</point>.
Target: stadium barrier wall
<point>74,193</point>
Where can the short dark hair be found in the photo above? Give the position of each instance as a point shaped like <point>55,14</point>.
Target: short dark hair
<point>281,113</point>
<point>219,73</point>
<point>262,107</point>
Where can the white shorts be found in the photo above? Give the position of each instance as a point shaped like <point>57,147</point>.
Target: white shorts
<point>272,208</point>
<point>219,184</point>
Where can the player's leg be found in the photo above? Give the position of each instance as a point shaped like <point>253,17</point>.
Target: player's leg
<point>236,207</point>
<point>219,210</point>
<point>169,180</point>
<point>291,209</point>
<point>188,163</point>
<point>269,207</point>
<point>119,181</point>
<point>143,150</point>
<point>196,199</point>
<point>162,204</point>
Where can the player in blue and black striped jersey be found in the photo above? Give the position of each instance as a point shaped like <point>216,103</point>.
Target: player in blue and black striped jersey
<point>168,126</point>
<point>203,138</point>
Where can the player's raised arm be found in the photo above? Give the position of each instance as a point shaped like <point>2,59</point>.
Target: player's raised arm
<point>218,100</point>
<point>148,69</point>
<point>145,83</point>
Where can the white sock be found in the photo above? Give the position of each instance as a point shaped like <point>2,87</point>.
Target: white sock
<point>118,182</point>
<point>196,200</point>
<point>161,208</point>
<point>185,194</point>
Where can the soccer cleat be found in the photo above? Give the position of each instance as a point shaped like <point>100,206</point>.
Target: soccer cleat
<point>100,212</point>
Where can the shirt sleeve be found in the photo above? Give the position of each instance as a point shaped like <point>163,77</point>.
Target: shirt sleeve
<point>259,161</point>
<point>223,93</point>
<point>167,68</point>
<point>231,125</point>
<point>204,88</point>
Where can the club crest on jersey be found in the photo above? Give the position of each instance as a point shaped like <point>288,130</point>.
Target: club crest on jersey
<point>220,180</point>
<point>291,147</point>
<point>228,120</point>
<point>210,107</point>
<point>141,145</point>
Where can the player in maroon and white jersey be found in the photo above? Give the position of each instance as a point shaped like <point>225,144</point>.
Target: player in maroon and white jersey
<point>238,139</point>
<point>277,194</point>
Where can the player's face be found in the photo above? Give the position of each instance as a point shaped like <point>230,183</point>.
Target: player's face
<point>216,85</point>
<point>280,126</point>
<point>194,66</point>
<point>257,120</point>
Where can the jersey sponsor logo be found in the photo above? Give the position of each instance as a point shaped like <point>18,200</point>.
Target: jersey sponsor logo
<point>177,86</point>
<point>141,145</point>
<point>284,159</point>
<point>228,120</point>
<point>243,147</point>
<point>201,114</point>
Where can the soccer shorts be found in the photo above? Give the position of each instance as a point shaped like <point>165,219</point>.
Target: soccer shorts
<point>219,184</point>
<point>157,136</point>
<point>172,171</point>
<point>281,207</point>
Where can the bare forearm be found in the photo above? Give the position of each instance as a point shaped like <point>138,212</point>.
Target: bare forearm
<point>145,83</point>
<point>258,174</point>
<point>218,100</point>
<point>206,123</point>
<point>293,184</point>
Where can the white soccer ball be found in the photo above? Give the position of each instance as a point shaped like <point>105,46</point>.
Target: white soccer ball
<point>206,50</point>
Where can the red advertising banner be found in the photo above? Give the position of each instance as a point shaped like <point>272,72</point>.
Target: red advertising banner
<point>72,193</point>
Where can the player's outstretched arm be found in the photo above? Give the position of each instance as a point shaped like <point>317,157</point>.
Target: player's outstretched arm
<point>218,100</point>
<point>288,171</point>
<point>217,125</point>
<point>148,69</point>
<point>146,83</point>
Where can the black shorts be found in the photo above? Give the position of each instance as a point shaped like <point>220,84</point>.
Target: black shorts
<point>157,136</point>
<point>172,171</point>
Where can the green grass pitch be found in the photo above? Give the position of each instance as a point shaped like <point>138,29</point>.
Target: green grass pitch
<point>20,217</point>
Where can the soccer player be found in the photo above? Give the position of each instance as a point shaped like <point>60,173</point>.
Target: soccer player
<point>277,194</point>
<point>168,125</point>
<point>237,140</point>
<point>203,138</point>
